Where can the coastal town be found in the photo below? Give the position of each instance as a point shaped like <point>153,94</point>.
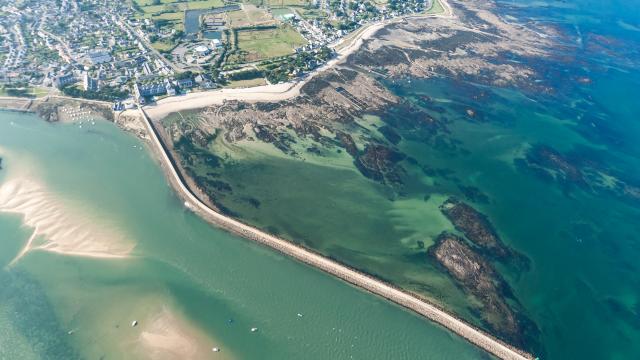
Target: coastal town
<point>136,52</point>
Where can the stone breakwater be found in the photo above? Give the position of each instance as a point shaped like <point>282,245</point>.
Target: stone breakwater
<point>354,277</point>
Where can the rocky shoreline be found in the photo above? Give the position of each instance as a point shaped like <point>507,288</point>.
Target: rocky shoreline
<point>60,109</point>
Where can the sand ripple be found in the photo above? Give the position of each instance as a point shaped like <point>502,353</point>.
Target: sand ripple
<point>60,227</point>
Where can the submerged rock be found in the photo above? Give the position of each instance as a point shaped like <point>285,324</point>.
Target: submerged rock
<point>475,226</point>
<point>477,277</point>
<point>380,163</point>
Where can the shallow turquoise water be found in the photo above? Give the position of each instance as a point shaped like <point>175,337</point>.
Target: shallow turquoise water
<point>583,288</point>
<point>179,263</point>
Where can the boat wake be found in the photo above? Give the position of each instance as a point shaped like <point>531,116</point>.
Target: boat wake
<point>58,226</point>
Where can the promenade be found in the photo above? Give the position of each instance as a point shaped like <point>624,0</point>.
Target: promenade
<point>354,277</point>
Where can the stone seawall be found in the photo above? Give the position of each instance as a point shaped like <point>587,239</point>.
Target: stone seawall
<point>352,276</point>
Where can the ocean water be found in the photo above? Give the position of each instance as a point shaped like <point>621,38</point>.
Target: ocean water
<point>582,236</point>
<point>190,286</point>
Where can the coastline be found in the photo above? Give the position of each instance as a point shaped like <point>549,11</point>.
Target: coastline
<point>282,91</point>
<point>263,93</point>
<point>354,277</point>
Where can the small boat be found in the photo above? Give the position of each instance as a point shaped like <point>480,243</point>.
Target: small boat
<point>134,323</point>
<point>254,329</point>
<point>215,349</point>
<point>300,315</point>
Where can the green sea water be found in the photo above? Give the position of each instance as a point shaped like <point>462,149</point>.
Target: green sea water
<point>215,286</point>
<point>582,289</point>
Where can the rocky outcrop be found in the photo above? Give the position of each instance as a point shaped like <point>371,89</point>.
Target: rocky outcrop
<point>556,165</point>
<point>582,168</point>
<point>475,226</point>
<point>380,163</point>
<point>477,277</point>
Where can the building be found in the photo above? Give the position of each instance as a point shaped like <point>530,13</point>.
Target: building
<point>145,90</point>
<point>88,83</point>
<point>185,83</point>
<point>202,50</point>
<point>99,57</point>
<point>63,80</point>
<point>171,91</point>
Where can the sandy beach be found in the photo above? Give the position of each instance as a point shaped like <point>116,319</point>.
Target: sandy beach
<point>60,226</point>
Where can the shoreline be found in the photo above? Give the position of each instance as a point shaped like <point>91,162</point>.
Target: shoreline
<point>352,276</point>
<point>263,93</point>
<point>366,282</point>
<point>281,91</point>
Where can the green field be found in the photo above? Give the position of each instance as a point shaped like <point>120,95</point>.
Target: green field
<point>279,12</point>
<point>151,6</point>
<point>264,44</point>
<point>436,8</point>
<point>173,10</point>
<point>279,3</point>
<point>25,92</point>
<point>163,45</point>
<point>249,16</point>
<point>276,3</point>
<point>311,13</point>
<point>246,83</point>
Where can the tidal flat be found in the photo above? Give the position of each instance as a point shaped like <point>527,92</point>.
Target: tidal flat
<point>535,133</point>
<point>188,286</point>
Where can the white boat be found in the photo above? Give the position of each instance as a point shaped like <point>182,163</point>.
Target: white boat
<point>254,329</point>
<point>134,323</point>
<point>215,349</point>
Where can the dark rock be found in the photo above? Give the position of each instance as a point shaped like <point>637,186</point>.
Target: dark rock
<point>478,229</point>
<point>380,163</point>
<point>390,134</point>
<point>476,276</point>
<point>347,142</point>
<point>474,194</point>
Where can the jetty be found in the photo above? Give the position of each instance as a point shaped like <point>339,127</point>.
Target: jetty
<point>359,279</point>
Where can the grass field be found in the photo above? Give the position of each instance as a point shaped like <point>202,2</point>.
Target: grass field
<point>173,10</point>
<point>162,45</point>
<point>276,3</point>
<point>311,13</point>
<point>250,15</point>
<point>149,7</point>
<point>436,8</point>
<point>264,44</point>
<point>29,92</point>
<point>246,83</point>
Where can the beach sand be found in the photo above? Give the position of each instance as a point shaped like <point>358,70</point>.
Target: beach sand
<point>166,336</point>
<point>60,226</point>
<point>274,92</point>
